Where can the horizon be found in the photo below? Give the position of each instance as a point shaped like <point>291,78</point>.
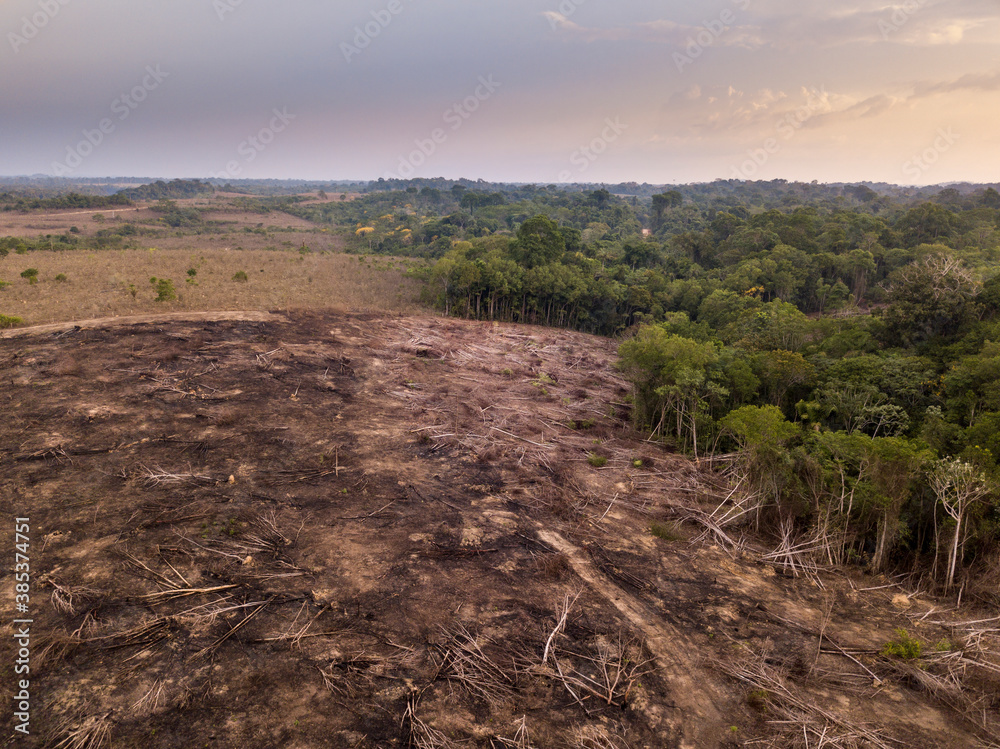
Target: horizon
<point>533,91</point>
<point>143,180</point>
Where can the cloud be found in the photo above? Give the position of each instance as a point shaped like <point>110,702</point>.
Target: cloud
<point>843,111</point>
<point>811,24</point>
<point>559,22</point>
<point>660,31</point>
<point>982,82</point>
<point>915,22</point>
<point>753,114</point>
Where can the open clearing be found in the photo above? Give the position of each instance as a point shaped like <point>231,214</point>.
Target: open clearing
<point>328,530</point>
<point>109,283</point>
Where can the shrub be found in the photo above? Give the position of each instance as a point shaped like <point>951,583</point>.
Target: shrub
<point>598,461</point>
<point>9,321</point>
<point>4,284</point>
<point>241,276</point>
<point>164,288</point>
<point>31,274</point>
<point>668,532</point>
<point>62,278</point>
<point>903,646</point>
<point>758,699</point>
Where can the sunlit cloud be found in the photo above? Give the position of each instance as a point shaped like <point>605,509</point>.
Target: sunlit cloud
<point>783,25</point>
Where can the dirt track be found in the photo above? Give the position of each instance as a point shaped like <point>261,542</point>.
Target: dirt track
<point>326,530</point>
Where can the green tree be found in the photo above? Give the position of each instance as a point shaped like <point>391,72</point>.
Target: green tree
<point>897,464</point>
<point>539,242</point>
<point>766,469</point>
<point>676,381</point>
<point>931,298</point>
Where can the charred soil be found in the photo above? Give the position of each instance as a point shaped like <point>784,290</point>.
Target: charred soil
<point>314,529</point>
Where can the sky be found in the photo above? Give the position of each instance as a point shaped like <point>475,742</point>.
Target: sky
<point>545,91</point>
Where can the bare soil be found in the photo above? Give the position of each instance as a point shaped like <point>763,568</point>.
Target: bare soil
<point>325,530</point>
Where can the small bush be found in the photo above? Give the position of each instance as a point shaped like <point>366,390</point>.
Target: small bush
<point>62,278</point>
<point>4,284</point>
<point>9,321</point>
<point>241,276</point>
<point>903,646</point>
<point>164,288</point>
<point>31,274</point>
<point>666,531</point>
<point>597,461</point>
<point>758,698</point>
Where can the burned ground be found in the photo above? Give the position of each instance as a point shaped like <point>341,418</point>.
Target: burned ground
<point>312,529</point>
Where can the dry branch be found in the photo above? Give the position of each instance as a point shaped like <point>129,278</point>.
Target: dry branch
<point>799,721</point>
<point>464,661</point>
<point>90,733</point>
<point>422,736</point>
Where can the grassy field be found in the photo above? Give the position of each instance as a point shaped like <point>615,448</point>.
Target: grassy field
<point>117,282</point>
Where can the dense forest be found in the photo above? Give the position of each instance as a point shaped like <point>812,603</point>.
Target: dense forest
<point>839,346</point>
<point>174,190</point>
<point>13,201</point>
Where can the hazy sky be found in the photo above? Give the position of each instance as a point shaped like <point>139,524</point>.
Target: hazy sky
<point>521,90</point>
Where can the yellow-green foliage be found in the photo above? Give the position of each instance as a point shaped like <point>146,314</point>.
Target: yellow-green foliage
<point>903,646</point>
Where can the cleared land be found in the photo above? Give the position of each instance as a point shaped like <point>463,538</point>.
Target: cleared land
<point>267,247</point>
<point>107,283</point>
<point>364,531</point>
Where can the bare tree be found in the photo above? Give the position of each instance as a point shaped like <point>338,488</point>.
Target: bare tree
<point>958,486</point>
